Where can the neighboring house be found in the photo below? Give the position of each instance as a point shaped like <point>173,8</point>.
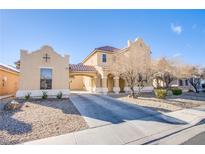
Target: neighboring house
<point>182,83</point>
<point>46,70</point>
<point>9,80</point>
<point>202,85</point>
<point>185,85</point>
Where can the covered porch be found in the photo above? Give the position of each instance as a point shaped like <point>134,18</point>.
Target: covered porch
<point>87,78</point>
<point>82,78</point>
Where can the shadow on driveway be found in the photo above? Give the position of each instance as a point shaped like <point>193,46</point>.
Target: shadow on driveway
<point>115,111</point>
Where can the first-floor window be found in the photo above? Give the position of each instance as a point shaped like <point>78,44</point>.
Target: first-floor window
<point>46,78</point>
<point>186,82</point>
<point>180,82</point>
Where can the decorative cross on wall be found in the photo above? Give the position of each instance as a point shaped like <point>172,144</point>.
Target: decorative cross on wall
<point>46,57</point>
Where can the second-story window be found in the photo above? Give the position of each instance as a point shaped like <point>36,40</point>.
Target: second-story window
<point>104,58</point>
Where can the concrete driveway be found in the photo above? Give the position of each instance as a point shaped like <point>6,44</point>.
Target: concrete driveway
<point>115,122</point>
<point>99,110</point>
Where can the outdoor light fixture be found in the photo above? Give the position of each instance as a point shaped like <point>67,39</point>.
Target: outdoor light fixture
<point>4,81</point>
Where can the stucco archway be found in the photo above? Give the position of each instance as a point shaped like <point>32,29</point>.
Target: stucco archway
<point>82,82</point>
<point>82,77</point>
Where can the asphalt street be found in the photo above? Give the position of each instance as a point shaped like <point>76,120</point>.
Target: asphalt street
<point>197,140</point>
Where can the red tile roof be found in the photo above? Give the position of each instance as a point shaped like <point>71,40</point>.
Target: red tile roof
<point>107,48</point>
<point>80,67</point>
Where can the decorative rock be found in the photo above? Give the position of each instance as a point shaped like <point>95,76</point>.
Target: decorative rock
<point>13,105</point>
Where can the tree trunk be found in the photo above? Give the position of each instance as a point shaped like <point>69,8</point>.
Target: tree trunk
<point>196,89</point>
<point>132,91</point>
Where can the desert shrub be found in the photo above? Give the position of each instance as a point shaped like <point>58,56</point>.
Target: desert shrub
<point>44,96</point>
<point>59,95</point>
<point>176,91</point>
<point>27,96</point>
<point>160,93</point>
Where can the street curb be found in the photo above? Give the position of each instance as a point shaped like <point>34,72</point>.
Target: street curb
<point>153,139</point>
<point>181,137</point>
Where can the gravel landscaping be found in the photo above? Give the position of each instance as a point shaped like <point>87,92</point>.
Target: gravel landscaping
<point>171,103</point>
<point>39,119</point>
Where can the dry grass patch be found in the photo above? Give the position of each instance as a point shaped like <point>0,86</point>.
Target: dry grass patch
<point>171,103</point>
<point>157,105</point>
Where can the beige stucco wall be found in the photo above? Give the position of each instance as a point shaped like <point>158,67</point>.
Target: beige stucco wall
<point>92,60</point>
<point>11,84</point>
<point>31,63</point>
<point>141,52</point>
<point>109,58</point>
<point>96,59</point>
<point>76,83</point>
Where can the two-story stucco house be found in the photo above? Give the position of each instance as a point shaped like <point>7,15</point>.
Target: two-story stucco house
<point>95,72</point>
<point>46,70</point>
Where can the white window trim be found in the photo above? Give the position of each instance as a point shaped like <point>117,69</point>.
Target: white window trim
<point>40,76</point>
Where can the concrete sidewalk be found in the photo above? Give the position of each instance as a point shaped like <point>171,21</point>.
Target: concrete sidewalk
<point>141,131</point>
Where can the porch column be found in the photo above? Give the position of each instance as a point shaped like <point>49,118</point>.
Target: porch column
<point>116,87</point>
<point>104,85</point>
<point>97,84</point>
<point>126,89</point>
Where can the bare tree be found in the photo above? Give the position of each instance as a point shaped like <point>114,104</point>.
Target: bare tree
<point>195,82</point>
<point>163,73</point>
<point>194,76</point>
<point>192,73</point>
<point>133,68</point>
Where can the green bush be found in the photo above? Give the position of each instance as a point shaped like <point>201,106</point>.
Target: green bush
<point>27,96</point>
<point>160,93</point>
<point>44,96</point>
<point>176,91</point>
<point>59,95</point>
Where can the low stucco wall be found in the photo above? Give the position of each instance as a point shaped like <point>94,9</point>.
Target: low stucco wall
<point>39,93</point>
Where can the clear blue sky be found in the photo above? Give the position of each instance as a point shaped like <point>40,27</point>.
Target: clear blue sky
<point>171,33</point>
